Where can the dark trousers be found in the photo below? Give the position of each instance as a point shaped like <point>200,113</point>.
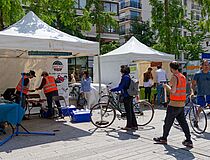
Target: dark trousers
<point>171,114</point>
<point>49,101</point>
<point>148,93</point>
<point>131,119</point>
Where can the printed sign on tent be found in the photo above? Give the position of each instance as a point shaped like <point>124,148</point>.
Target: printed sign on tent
<point>59,69</point>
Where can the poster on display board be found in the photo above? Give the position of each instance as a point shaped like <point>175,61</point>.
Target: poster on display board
<point>133,70</point>
<point>59,69</point>
<point>192,67</point>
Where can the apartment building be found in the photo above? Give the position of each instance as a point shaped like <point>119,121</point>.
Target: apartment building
<point>129,10</point>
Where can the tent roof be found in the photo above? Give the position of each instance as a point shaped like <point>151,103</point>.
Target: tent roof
<point>139,51</point>
<point>32,34</point>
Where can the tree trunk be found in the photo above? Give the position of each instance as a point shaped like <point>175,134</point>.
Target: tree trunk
<point>168,31</point>
<point>1,21</point>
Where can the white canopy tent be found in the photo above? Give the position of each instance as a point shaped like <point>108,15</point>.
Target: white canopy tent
<point>32,34</point>
<point>132,51</point>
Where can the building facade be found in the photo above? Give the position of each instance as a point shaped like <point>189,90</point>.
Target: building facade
<point>129,10</point>
<point>79,64</point>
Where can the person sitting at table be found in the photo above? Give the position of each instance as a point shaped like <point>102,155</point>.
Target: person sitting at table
<point>50,89</point>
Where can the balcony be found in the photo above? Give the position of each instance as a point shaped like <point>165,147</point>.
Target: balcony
<point>130,4</point>
<point>129,17</point>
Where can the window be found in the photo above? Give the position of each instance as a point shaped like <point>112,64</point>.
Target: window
<point>134,14</point>
<point>109,29</point>
<point>80,4</point>
<point>185,2</point>
<point>122,29</point>
<point>111,7</point>
<point>135,4</point>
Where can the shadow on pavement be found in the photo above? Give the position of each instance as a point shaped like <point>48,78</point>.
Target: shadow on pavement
<point>178,153</point>
<point>122,135</point>
<point>63,132</point>
<point>205,135</point>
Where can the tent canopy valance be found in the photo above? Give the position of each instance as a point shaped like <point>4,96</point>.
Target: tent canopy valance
<point>32,34</point>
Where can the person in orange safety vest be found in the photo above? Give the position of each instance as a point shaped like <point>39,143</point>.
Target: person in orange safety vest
<point>24,89</point>
<point>50,89</point>
<point>177,89</point>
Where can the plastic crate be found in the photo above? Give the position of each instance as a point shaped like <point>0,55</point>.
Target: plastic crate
<point>80,115</point>
<point>67,111</point>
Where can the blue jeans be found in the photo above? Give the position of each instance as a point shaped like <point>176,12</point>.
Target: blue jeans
<point>160,94</point>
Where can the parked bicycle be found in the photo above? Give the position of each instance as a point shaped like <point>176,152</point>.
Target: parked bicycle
<point>104,113</point>
<point>197,116</point>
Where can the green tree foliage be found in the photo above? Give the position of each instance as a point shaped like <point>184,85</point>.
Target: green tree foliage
<point>109,46</point>
<point>167,18</point>
<point>99,17</point>
<point>10,12</point>
<point>192,43</point>
<point>205,12</point>
<point>143,32</point>
<point>62,15</point>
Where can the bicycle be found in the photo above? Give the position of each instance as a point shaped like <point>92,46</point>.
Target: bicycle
<point>104,113</point>
<point>197,116</point>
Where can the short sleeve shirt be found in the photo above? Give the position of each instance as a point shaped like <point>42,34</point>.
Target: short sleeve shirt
<point>203,83</point>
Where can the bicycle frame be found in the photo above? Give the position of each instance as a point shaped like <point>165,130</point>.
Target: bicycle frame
<point>114,102</point>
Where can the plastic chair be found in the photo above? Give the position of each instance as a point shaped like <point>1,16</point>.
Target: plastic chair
<point>60,98</point>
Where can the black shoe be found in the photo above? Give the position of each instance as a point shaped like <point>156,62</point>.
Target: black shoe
<point>208,114</point>
<point>160,140</point>
<point>188,143</point>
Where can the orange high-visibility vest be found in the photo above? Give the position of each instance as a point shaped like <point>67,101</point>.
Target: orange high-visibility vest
<point>180,94</point>
<point>25,88</point>
<point>50,85</point>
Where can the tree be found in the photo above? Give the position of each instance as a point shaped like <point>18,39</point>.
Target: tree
<point>100,18</point>
<point>192,43</point>
<point>167,18</point>
<point>10,12</point>
<point>143,32</point>
<point>109,46</point>
<point>205,12</point>
<point>62,15</point>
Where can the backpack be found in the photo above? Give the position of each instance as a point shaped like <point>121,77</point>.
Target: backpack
<point>133,88</point>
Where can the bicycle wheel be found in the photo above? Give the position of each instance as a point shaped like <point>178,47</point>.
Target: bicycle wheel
<point>198,121</point>
<point>144,112</point>
<point>102,115</point>
<point>6,130</point>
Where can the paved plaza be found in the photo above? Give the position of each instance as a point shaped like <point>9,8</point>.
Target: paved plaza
<point>84,142</point>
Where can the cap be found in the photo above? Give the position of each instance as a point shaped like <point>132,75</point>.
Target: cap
<point>32,73</point>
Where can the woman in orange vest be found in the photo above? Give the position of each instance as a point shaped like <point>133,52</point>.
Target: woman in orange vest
<point>50,89</point>
<point>25,88</point>
<point>176,105</point>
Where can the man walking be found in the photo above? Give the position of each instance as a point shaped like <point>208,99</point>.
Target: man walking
<point>50,89</point>
<point>160,77</point>
<point>175,108</point>
<point>202,81</point>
